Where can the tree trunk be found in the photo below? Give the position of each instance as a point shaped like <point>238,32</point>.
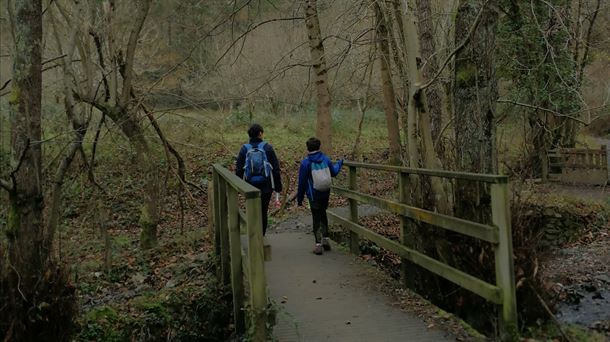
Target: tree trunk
<point>318,60</point>
<point>25,230</point>
<point>418,117</point>
<point>475,93</point>
<point>389,97</point>
<point>149,209</point>
<point>428,54</point>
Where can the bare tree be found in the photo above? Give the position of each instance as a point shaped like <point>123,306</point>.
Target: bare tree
<point>389,96</point>
<point>318,60</point>
<point>119,103</point>
<point>25,184</point>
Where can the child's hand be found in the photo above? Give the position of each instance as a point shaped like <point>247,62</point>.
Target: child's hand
<point>277,200</point>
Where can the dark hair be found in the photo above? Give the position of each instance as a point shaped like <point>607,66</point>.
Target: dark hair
<point>255,130</point>
<point>313,144</point>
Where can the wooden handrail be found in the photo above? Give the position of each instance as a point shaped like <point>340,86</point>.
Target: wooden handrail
<point>499,234</point>
<point>237,183</point>
<point>458,225</point>
<point>430,172</point>
<point>238,261</point>
<point>480,287</point>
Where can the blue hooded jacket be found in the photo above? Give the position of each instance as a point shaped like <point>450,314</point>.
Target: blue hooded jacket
<point>306,182</point>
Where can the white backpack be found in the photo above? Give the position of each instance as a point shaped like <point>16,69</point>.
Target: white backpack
<point>320,174</point>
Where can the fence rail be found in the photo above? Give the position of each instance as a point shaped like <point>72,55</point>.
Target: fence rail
<point>236,259</point>
<point>574,165</point>
<point>499,234</point>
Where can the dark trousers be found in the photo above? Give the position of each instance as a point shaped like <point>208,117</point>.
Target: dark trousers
<point>265,199</point>
<point>318,214</point>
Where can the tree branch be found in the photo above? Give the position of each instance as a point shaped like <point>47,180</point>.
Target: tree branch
<point>526,105</point>
<point>6,185</point>
<point>131,50</point>
<point>45,69</point>
<point>458,48</point>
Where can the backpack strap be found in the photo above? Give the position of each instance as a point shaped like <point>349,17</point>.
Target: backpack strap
<point>248,147</point>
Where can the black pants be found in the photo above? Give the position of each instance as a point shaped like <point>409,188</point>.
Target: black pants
<point>265,199</point>
<point>318,214</point>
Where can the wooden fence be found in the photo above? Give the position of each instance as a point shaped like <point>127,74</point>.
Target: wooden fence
<point>498,234</point>
<point>578,166</point>
<point>241,257</point>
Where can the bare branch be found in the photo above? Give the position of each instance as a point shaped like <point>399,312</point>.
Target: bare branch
<point>45,69</point>
<point>144,6</point>
<point>6,185</point>
<point>250,29</point>
<point>458,48</point>
<point>555,113</point>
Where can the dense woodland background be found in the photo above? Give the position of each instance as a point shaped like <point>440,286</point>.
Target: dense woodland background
<point>112,112</point>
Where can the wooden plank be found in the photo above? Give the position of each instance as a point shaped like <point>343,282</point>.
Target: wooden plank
<point>480,287</point>
<point>354,240</point>
<point>242,219</point>
<point>238,184</point>
<point>237,276</point>
<point>407,228</point>
<point>473,229</point>
<point>216,180</point>
<point>267,249</point>
<point>429,172</point>
<point>607,161</point>
<point>256,259</point>
<point>505,274</point>
<point>225,264</point>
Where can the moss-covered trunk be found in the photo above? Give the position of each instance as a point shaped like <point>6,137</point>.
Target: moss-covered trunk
<point>475,93</point>
<point>149,208</point>
<point>25,226</point>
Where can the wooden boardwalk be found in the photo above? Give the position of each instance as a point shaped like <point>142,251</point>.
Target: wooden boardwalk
<point>333,298</point>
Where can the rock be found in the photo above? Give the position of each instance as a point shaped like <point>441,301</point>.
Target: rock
<point>201,257</point>
<point>142,288</point>
<point>129,294</point>
<point>170,283</point>
<point>138,278</point>
<point>589,287</point>
<point>603,277</point>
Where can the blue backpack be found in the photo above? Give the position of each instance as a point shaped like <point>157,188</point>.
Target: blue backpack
<point>257,169</point>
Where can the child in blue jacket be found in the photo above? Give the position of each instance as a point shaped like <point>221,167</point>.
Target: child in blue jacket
<point>314,180</point>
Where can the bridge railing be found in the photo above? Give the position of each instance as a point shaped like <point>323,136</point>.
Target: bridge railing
<point>239,258</point>
<point>498,233</point>
<point>577,165</point>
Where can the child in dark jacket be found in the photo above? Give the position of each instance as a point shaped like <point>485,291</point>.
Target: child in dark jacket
<point>314,180</point>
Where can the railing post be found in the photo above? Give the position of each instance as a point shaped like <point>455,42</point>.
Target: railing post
<point>505,275</point>
<point>354,240</point>
<point>256,259</point>
<point>405,231</point>
<point>216,218</point>
<point>237,277</point>
<point>606,160</point>
<point>545,166</point>
<point>225,265</point>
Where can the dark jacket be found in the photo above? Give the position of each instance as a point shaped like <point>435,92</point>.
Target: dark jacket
<point>271,158</point>
<point>306,182</point>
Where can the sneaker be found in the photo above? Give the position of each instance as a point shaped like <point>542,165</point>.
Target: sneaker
<point>326,244</point>
<point>318,250</point>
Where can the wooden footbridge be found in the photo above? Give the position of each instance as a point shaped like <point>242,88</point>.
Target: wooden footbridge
<point>325,298</point>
